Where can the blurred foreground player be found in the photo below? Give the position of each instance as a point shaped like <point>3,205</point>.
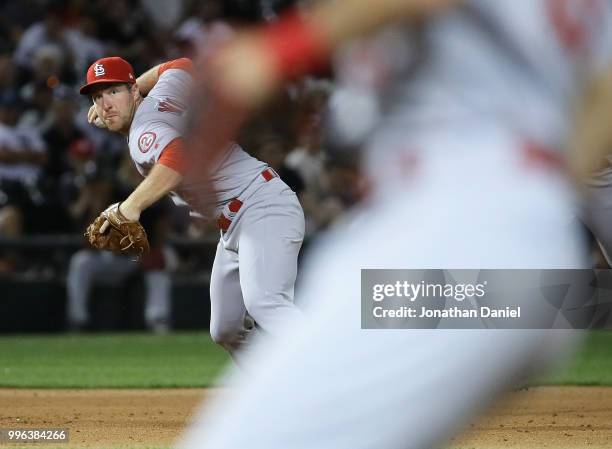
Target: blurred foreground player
<point>466,173</point>
<point>260,219</point>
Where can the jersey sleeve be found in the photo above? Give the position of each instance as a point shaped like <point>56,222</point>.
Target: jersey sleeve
<point>179,64</point>
<point>173,156</point>
<point>150,141</point>
<point>162,117</point>
<point>175,82</point>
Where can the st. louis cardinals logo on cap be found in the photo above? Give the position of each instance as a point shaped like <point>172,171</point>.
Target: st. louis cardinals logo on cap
<point>145,141</point>
<point>99,70</point>
<point>108,70</point>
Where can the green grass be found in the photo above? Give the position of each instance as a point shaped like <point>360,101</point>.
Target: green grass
<point>110,360</point>
<point>188,360</point>
<point>592,365</point>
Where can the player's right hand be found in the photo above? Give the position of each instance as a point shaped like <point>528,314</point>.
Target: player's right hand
<point>92,117</point>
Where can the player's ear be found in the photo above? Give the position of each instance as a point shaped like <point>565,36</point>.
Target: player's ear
<point>135,91</point>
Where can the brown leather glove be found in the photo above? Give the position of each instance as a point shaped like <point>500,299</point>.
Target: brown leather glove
<point>120,235</point>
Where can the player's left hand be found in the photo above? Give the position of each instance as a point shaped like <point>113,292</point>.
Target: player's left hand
<point>112,231</point>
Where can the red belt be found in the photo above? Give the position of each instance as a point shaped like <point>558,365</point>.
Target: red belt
<point>225,220</point>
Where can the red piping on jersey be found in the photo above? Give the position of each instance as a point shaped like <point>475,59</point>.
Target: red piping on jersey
<point>181,63</point>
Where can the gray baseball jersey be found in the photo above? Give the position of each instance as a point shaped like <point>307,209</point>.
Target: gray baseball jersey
<point>162,117</point>
<point>256,261</point>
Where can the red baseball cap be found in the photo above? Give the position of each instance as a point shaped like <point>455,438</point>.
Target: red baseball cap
<point>108,70</point>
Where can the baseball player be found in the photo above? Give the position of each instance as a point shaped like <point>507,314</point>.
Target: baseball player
<point>465,173</point>
<point>259,217</point>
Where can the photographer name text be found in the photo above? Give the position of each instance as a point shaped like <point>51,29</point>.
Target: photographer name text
<point>452,312</point>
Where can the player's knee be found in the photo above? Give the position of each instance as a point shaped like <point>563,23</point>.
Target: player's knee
<point>228,336</point>
<point>275,313</point>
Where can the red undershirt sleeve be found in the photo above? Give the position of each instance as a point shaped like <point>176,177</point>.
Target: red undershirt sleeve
<point>181,63</point>
<point>173,156</point>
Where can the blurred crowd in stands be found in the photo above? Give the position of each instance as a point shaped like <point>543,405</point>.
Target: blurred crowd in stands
<point>57,172</point>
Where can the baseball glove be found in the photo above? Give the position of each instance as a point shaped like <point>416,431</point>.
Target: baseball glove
<point>120,235</point>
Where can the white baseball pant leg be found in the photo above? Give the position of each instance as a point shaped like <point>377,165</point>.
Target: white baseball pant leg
<point>227,310</point>
<point>331,385</point>
<point>256,266</point>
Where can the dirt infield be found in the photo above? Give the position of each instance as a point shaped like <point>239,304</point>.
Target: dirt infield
<point>103,418</point>
<point>544,417</point>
